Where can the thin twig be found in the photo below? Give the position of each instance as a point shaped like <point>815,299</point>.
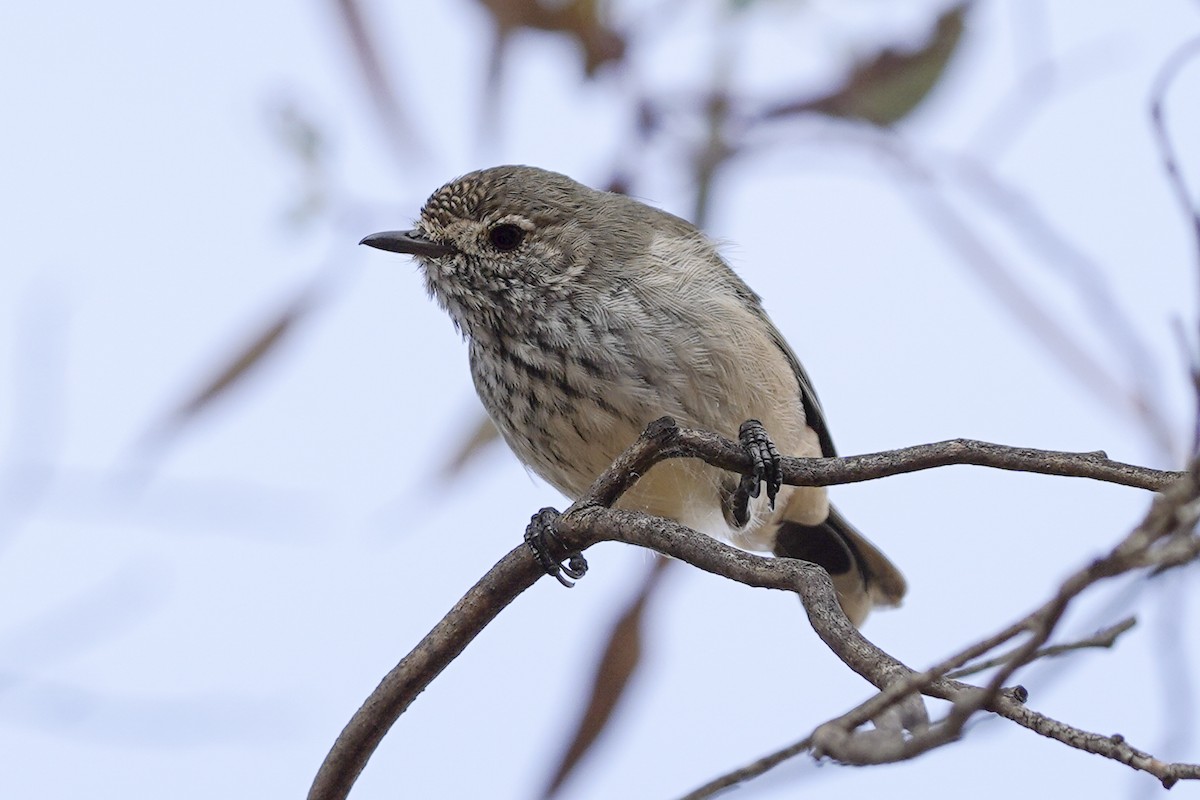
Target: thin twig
<point>515,573</point>
<point>1104,638</point>
<point>1155,542</point>
<point>751,770</point>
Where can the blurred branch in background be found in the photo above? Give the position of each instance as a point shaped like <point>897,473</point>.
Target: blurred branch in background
<point>1188,204</point>
<point>305,144</point>
<point>247,358</point>
<point>617,664</point>
<point>1139,390</point>
<point>376,77</point>
<point>1174,666</point>
<point>1038,318</point>
<point>1184,194</point>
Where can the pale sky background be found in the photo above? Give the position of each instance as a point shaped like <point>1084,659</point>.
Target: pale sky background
<point>203,625</point>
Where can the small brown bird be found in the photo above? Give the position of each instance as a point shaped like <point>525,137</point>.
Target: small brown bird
<point>589,314</point>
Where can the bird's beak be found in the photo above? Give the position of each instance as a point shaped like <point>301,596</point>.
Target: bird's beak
<point>414,243</point>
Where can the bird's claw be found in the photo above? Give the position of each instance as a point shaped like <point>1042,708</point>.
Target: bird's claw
<point>538,537</point>
<point>766,469</point>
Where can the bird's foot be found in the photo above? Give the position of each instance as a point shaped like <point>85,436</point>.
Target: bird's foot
<point>541,538</point>
<point>766,469</point>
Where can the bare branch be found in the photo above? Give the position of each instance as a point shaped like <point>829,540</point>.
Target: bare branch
<point>726,454</point>
<point>751,770</point>
<point>1163,539</point>
<point>1104,638</point>
<point>515,573</point>
<point>590,520</point>
<point>1114,747</point>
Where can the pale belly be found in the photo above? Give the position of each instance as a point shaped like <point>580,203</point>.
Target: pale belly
<point>570,444</point>
<point>568,427</point>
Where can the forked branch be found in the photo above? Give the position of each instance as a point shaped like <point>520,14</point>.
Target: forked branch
<point>902,728</point>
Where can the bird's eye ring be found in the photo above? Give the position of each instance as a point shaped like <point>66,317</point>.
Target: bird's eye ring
<point>506,236</point>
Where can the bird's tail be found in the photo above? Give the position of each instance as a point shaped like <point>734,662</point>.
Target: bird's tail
<point>862,575</point>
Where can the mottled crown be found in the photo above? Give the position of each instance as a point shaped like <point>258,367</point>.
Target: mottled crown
<point>535,193</point>
<point>458,199</point>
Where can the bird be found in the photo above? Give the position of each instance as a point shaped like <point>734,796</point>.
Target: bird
<point>588,314</point>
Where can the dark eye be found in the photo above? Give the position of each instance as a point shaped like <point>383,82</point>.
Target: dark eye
<point>506,236</point>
